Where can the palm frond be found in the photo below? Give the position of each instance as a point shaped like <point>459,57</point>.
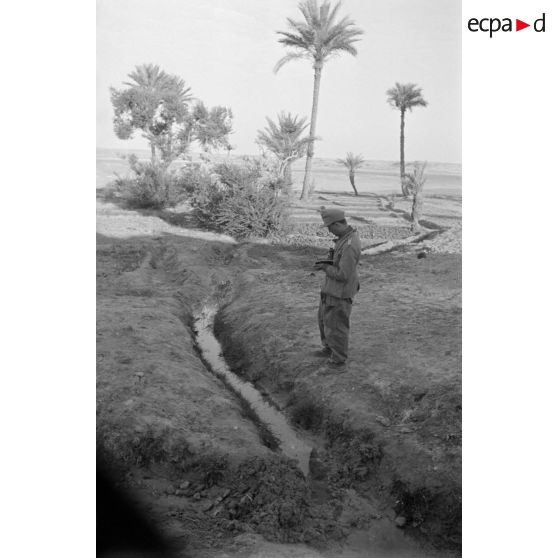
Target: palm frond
<point>405,96</point>
<point>287,58</point>
<point>330,17</point>
<point>318,35</point>
<point>351,161</point>
<point>284,138</point>
<point>417,178</point>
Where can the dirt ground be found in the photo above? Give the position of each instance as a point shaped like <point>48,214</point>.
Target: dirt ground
<point>392,420</point>
<point>385,476</point>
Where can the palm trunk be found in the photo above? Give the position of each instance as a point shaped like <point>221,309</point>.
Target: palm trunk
<point>313,119</point>
<point>417,206</point>
<point>402,153</point>
<point>288,178</point>
<point>153,154</point>
<point>352,179</point>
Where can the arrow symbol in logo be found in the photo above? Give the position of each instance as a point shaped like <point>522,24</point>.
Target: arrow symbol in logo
<point>519,25</point>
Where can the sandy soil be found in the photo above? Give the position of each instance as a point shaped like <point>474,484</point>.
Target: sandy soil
<point>386,474</point>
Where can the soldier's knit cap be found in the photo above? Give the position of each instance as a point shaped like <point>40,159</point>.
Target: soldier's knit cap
<point>332,215</point>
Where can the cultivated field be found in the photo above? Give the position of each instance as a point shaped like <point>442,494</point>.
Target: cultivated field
<point>385,473</point>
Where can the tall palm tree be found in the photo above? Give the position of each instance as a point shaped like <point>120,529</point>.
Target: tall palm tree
<point>285,141</point>
<point>404,97</point>
<point>352,162</point>
<point>318,37</point>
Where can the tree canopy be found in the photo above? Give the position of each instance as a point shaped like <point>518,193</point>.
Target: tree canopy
<point>351,161</point>
<point>318,37</point>
<point>160,106</point>
<point>405,96</point>
<point>284,139</point>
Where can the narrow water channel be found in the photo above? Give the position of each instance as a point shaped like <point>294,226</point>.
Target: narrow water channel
<point>289,442</point>
<point>381,539</point>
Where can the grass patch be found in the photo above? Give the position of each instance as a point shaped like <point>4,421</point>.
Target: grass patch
<point>306,413</point>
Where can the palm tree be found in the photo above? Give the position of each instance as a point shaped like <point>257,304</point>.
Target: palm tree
<point>157,90</point>
<point>404,97</point>
<point>352,162</point>
<point>285,141</point>
<point>414,184</point>
<point>318,37</point>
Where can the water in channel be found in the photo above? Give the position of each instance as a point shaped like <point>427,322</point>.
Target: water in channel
<point>289,442</point>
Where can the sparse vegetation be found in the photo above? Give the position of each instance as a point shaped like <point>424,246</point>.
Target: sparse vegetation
<point>352,162</point>
<point>153,186</point>
<point>306,413</point>
<point>414,184</point>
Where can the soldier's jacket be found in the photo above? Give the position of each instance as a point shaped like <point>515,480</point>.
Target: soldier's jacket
<point>341,279</point>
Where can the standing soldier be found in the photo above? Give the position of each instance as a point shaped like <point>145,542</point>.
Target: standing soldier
<point>339,288</point>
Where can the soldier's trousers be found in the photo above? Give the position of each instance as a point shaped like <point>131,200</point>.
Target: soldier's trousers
<point>333,320</point>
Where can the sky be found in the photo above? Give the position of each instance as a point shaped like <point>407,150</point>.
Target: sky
<point>225,50</point>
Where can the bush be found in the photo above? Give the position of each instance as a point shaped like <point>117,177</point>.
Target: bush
<point>242,200</point>
<point>146,189</point>
<point>154,186</point>
<point>190,179</point>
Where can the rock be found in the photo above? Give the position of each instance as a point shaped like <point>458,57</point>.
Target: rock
<point>383,420</point>
<point>207,506</point>
<point>185,485</point>
<point>400,521</point>
<point>197,496</point>
<point>217,511</point>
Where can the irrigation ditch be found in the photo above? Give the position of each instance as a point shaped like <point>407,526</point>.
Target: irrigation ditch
<point>316,469</point>
<point>277,433</point>
<point>317,452</point>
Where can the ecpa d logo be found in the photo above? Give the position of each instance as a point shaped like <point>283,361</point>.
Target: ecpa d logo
<point>494,24</point>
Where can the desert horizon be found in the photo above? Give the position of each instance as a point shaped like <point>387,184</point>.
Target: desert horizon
<point>449,167</point>
<point>374,175</point>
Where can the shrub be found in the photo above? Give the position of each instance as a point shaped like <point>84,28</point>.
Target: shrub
<point>146,188</point>
<point>306,413</point>
<point>190,179</point>
<point>242,200</point>
<point>153,185</point>
<point>251,211</point>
